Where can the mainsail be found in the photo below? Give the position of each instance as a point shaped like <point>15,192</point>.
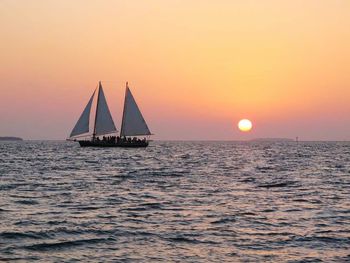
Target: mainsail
<point>104,122</point>
<point>82,125</point>
<point>133,123</point>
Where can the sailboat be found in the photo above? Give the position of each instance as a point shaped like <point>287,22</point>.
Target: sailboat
<point>104,133</point>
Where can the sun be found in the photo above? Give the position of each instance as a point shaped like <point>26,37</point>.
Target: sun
<point>245,125</point>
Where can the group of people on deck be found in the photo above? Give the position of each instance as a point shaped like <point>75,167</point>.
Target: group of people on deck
<point>118,139</point>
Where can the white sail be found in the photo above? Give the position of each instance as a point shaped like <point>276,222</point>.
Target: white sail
<point>133,123</point>
<point>104,123</point>
<point>82,125</point>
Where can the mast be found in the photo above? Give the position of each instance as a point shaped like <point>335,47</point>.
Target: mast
<point>126,91</point>
<point>98,97</point>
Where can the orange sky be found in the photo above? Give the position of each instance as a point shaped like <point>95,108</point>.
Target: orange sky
<point>195,67</point>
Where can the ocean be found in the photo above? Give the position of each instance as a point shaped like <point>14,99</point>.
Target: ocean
<point>175,202</point>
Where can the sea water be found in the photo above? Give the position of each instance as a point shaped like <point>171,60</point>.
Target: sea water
<point>175,202</point>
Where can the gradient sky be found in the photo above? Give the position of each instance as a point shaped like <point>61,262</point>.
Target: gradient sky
<point>195,67</point>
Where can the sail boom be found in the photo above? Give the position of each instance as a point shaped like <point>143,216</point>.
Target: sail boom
<point>105,133</point>
<point>81,135</point>
<point>137,134</point>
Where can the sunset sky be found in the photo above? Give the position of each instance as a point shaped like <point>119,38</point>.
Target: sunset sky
<point>195,67</point>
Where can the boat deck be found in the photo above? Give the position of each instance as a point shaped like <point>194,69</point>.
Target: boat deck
<point>125,144</point>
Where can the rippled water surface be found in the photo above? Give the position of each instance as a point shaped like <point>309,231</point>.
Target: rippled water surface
<point>175,201</point>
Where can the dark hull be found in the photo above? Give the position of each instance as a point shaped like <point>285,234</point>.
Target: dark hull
<point>113,144</point>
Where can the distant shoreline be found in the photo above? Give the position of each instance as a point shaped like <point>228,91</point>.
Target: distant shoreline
<point>10,138</point>
<point>272,140</point>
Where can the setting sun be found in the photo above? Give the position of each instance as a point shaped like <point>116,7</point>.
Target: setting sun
<point>245,125</point>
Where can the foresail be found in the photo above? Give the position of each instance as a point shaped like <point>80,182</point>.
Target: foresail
<point>82,126</point>
<point>133,123</point>
<point>104,121</point>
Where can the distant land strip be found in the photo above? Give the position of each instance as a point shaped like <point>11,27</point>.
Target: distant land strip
<point>10,138</point>
<point>272,140</point>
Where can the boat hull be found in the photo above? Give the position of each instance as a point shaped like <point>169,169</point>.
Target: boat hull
<point>141,144</point>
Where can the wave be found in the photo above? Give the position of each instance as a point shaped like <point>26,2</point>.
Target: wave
<point>20,235</point>
<point>183,239</point>
<point>275,185</point>
<point>66,244</point>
